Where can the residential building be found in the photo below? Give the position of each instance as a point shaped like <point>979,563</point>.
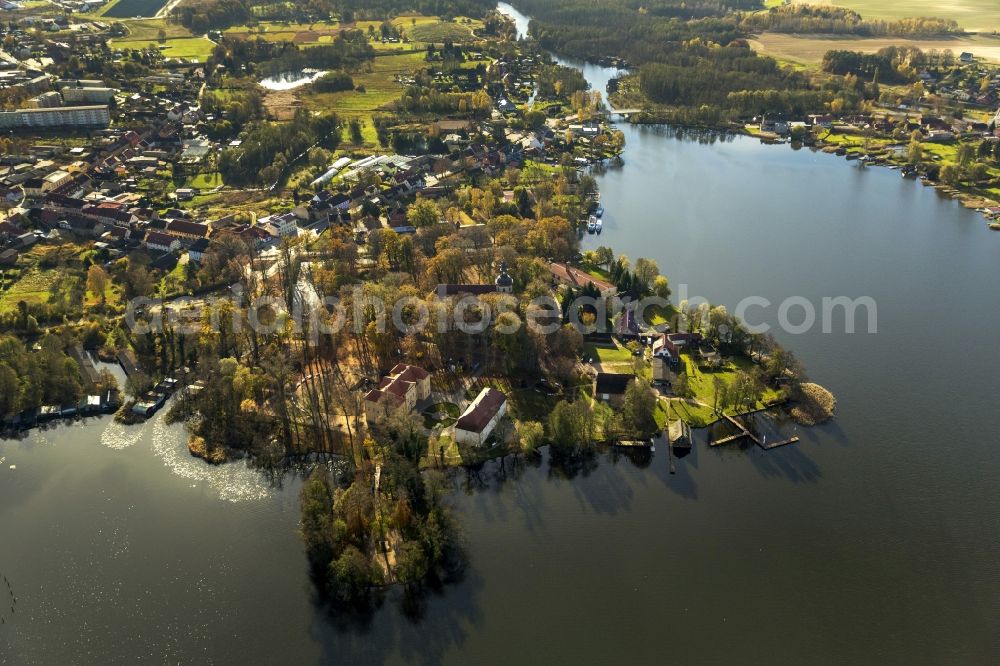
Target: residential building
<point>69,116</point>
<point>197,249</point>
<point>282,225</point>
<point>610,387</point>
<point>47,100</point>
<point>88,95</point>
<point>404,386</point>
<point>670,344</point>
<point>481,418</point>
<point>161,242</point>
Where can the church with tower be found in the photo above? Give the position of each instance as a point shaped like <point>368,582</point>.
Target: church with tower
<point>504,284</point>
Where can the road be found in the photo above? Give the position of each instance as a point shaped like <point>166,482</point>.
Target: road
<point>166,9</point>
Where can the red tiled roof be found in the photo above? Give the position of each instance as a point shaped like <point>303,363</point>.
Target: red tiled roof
<point>481,411</point>
<point>574,276</point>
<point>409,373</point>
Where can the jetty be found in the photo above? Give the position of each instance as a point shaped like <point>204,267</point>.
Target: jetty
<point>744,432</point>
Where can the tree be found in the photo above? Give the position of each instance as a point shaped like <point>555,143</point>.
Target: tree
<point>357,137</point>
<point>530,434</point>
<point>604,256</point>
<point>682,386</point>
<point>566,425</point>
<point>661,287</point>
<point>97,282</point>
<point>638,407</point>
<point>161,36</point>
<point>350,576</point>
<point>423,213</point>
<point>411,563</point>
<point>915,152</point>
<point>646,272</point>
<point>9,390</point>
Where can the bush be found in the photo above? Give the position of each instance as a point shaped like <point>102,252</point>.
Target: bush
<point>334,82</point>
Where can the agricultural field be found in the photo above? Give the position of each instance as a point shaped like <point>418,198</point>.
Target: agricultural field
<point>973,15</point>
<point>810,49</point>
<point>134,8</point>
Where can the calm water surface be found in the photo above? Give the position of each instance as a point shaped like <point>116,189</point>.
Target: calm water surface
<point>876,539</point>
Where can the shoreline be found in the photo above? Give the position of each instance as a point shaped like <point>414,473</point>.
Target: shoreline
<point>973,201</point>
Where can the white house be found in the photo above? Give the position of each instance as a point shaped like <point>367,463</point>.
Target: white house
<point>160,242</point>
<point>282,225</point>
<point>479,420</point>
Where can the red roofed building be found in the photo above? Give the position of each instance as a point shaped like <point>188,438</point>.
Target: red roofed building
<point>479,420</point>
<point>404,386</point>
<point>576,278</point>
<point>670,344</point>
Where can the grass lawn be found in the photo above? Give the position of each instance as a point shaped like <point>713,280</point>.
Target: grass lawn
<point>149,29</point>
<point>194,48</point>
<point>173,282</point>
<point>694,415</point>
<point>702,383</point>
<point>381,89</point>
<point>34,286</point>
<point>440,32</point>
<point>525,404</point>
<point>204,181</point>
<point>112,297</point>
<point>442,413</point>
<point>594,271</point>
<point>608,353</point>
<point>535,171</point>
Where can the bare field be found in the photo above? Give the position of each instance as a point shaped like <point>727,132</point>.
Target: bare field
<point>810,49</point>
<point>973,15</point>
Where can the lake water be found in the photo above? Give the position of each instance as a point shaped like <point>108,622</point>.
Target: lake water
<point>876,539</point>
<point>291,80</point>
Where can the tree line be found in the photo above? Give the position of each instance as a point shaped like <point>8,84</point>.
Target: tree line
<point>803,18</point>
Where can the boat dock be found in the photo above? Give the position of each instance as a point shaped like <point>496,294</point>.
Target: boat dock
<point>744,432</point>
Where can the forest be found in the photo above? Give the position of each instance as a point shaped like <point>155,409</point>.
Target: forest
<point>892,64</point>
<point>268,148</point>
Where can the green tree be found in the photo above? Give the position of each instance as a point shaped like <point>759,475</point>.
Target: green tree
<point>423,213</point>
<point>411,563</point>
<point>351,576</point>
<point>638,408</point>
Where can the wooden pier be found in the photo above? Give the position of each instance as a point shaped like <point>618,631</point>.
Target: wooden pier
<point>744,432</point>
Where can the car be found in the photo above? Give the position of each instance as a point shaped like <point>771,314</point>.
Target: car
<point>548,387</point>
